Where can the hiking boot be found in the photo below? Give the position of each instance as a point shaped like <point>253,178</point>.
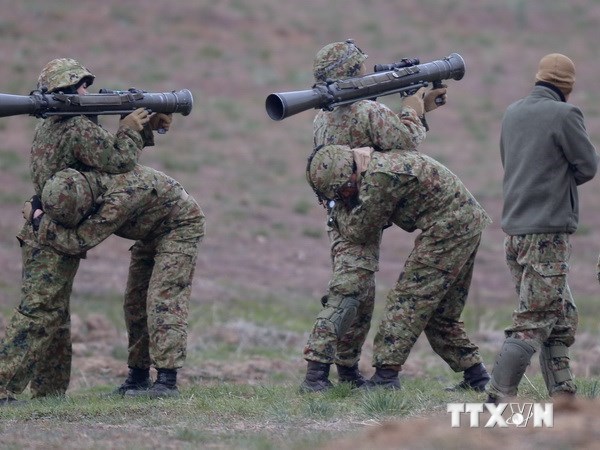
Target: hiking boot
<point>474,378</point>
<point>164,386</point>
<point>384,377</point>
<point>350,375</point>
<point>317,378</point>
<point>137,380</point>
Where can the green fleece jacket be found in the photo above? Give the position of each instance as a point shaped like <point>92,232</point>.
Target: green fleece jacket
<point>546,153</point>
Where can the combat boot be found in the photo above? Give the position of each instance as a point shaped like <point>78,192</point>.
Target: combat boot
<point>137,380</point>
<point>350,375</point>
<point>317,378</point>
<point>385,377</point>
<point>474,378</point>
<point>164,386</point>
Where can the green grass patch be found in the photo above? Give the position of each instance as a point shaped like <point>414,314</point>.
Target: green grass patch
<point>244,416</point>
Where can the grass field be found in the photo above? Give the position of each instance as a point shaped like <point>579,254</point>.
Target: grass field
<point>265,263</point>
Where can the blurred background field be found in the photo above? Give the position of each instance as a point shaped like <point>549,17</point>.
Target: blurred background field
<point>265,263</point>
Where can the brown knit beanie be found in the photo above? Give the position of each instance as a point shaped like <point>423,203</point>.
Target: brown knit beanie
<point>558,70</point>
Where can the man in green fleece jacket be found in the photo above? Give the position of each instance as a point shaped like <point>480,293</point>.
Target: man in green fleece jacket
<point>546,153</point>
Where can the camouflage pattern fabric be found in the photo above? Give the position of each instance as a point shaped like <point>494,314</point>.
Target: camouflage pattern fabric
<point>51,376</point>
<point>79,143</point>
<point>353,277</point>
<point>539,265</point>
<point>368,123</point>
<point>148,206</point>
<point>338,60</point>
<point>363,123</point>
<point>67,197</point>
<point>546,314</point>
<point>429,299</point>
<point>39,325</point>
<point>61,73</point>
<point>415,191</point>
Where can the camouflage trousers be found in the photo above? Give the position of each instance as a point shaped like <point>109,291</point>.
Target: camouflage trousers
<point>158,290</point>
<point>539,264</point>
<point>344,322</point>
<point>430,299</point>
<point>37,344</point>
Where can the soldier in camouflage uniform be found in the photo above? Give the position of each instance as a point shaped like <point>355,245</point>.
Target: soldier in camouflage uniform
<point>147,206</point>
<point>342,326</point>
<point>40,324</point>
<point>546,153</point>
<point>412,191</point>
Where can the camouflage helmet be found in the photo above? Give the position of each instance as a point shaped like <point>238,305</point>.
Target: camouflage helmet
<point>338,60</point>
<point>62,73</point>
<point>328,168</point>
<point>68,197</point>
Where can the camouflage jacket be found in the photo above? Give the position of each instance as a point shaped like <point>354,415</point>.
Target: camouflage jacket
<point>413,191</point>
<point>141,205</point>
<point>79,143</point>
<point>368,123</point>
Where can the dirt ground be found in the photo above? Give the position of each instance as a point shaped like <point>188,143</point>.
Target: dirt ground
<point>265,232</point>
<point>573,428</point>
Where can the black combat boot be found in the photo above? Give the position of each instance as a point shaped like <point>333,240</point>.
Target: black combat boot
<point>474,378</point>
<point>164,386</point>
<point>317,378</point>
<point>350,375</point>
<point>137,380</point>
<point>385,377</point>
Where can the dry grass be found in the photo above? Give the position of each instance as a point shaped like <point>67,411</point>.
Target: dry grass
<point>265,239</point>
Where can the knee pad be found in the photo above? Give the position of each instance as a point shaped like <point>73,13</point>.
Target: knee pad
<point>341,315</point>
<point>554,363</point>
<point>510,365</point>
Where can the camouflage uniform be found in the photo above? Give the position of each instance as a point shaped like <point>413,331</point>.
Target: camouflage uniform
<point>363,123</point>
<point>147,206</point>
<point>40,324</point>
<point>413,191</point>
<point>539,266</point>
<point>342,326</point>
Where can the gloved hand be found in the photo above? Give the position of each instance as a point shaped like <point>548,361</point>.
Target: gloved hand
<point>416,102</point>
<point>135,120</point>
<point>161,121</point>
<point>432,95</point>
<point>30,207</point>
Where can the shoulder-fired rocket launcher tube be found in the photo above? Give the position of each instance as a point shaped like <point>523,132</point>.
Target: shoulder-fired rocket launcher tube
<point>404,81</point>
